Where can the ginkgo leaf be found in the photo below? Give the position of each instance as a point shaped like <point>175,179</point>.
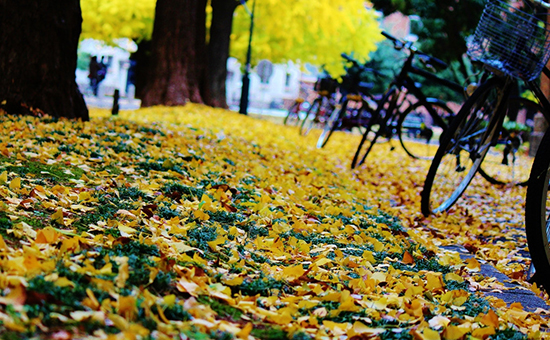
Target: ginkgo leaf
<point>473,264</point>
<point>47,235</point>
<point>15,183</point>
<point>452,332</point>
<point>407,258</point>
<point>483,333</point>
<point>126,231</point>
<point>58,216</point>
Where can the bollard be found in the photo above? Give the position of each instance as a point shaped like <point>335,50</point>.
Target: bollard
<point>116,96</point>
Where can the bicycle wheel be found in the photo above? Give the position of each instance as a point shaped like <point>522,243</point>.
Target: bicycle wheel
<point>508,162</point>
<point>462,149</point>
<point>419,133</point>
<point>311,117</point>
<point>380,117</point>
<point>333,123</point>
<point>293,116</point>
<point>537,213</point>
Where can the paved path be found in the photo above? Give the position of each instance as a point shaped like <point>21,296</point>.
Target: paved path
<point>106,102</point>
<point>512,292</point>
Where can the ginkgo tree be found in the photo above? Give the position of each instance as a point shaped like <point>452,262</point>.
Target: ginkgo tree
<point>308,31</point>
<point>191,45</point>
<point>38,48</point>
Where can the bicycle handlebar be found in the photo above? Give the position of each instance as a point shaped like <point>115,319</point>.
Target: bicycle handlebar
<point>362,67</point>
<point>348,58</point>
<point>434,61</point>
<point>427,58</point>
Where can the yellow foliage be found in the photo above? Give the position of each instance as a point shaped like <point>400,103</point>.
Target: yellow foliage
<point>112,19</point>
<point>314,31</point>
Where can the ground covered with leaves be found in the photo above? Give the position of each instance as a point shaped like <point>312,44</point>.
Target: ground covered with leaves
<point>176,223</point>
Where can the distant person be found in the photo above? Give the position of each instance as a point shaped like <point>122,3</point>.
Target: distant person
<point>101,71</point>
<point>93,75</point>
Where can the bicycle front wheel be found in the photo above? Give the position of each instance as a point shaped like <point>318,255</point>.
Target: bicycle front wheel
<point>537,212</point>
<point>419,133</point>
<point>462,149</point>
<point>508,162</point>
<point>333,122</point>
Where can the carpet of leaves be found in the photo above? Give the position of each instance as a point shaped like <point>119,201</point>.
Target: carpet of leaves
<point>177,223</point>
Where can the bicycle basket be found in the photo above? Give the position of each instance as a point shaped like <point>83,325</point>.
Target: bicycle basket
<point>511,41</point>
<point>326,84</point>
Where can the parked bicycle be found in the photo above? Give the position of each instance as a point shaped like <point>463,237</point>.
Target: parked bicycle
<point>537,203</point>
<point>511,44</point>
<point>321,108</point>
<point>356,103</point>
<point>404,111</point>
<point>296,111</point>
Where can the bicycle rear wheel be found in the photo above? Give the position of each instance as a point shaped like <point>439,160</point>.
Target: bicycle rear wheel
<point>333,123</point>
<point>537,213</point>
<point>462,149</point>
<point>509,162</point>
<point>419,133</point>
<point>381,116</point>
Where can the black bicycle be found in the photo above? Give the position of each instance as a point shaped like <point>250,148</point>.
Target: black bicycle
<point>537,203</point>
<point>405,111</point>
<point>511,44</point>
<point>356,103</point>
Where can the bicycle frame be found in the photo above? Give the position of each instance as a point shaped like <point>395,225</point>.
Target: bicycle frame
<point>403,80</point>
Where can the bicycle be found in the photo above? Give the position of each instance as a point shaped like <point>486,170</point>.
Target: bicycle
<point>508,50</point>
<point>356,103</point>
<point>537,205</point>
<point>322,106</point>
<point>293,115</point>
<point>415,121</point>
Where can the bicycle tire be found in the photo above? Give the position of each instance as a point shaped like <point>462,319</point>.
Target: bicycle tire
<point>333,123</point>
<point>462,149</point>
<point>537,216</point>
<point>420,138</point>
<point>293,115</point>
<point>377,117</point>
<point>503,164</point>
<point>311,116</point>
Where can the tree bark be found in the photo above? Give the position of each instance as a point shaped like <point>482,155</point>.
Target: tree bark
<point>178,53</point>
<point>218,52</point>
<point>38,53</point>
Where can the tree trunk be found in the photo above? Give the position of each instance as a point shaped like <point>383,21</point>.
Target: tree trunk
<point>218,52</point>
<point>38,53</point>
<point>178,53</point>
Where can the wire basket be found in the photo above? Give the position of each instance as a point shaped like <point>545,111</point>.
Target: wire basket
<point>326,84</point>
<point>510,40</point>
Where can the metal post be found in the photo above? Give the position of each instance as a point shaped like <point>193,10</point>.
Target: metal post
<point>116,96</point>
<point>246,77</point>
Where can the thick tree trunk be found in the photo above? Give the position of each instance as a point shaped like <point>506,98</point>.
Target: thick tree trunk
<point>218,52</point>
<point>38,53</point>
<point>178,53</point>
